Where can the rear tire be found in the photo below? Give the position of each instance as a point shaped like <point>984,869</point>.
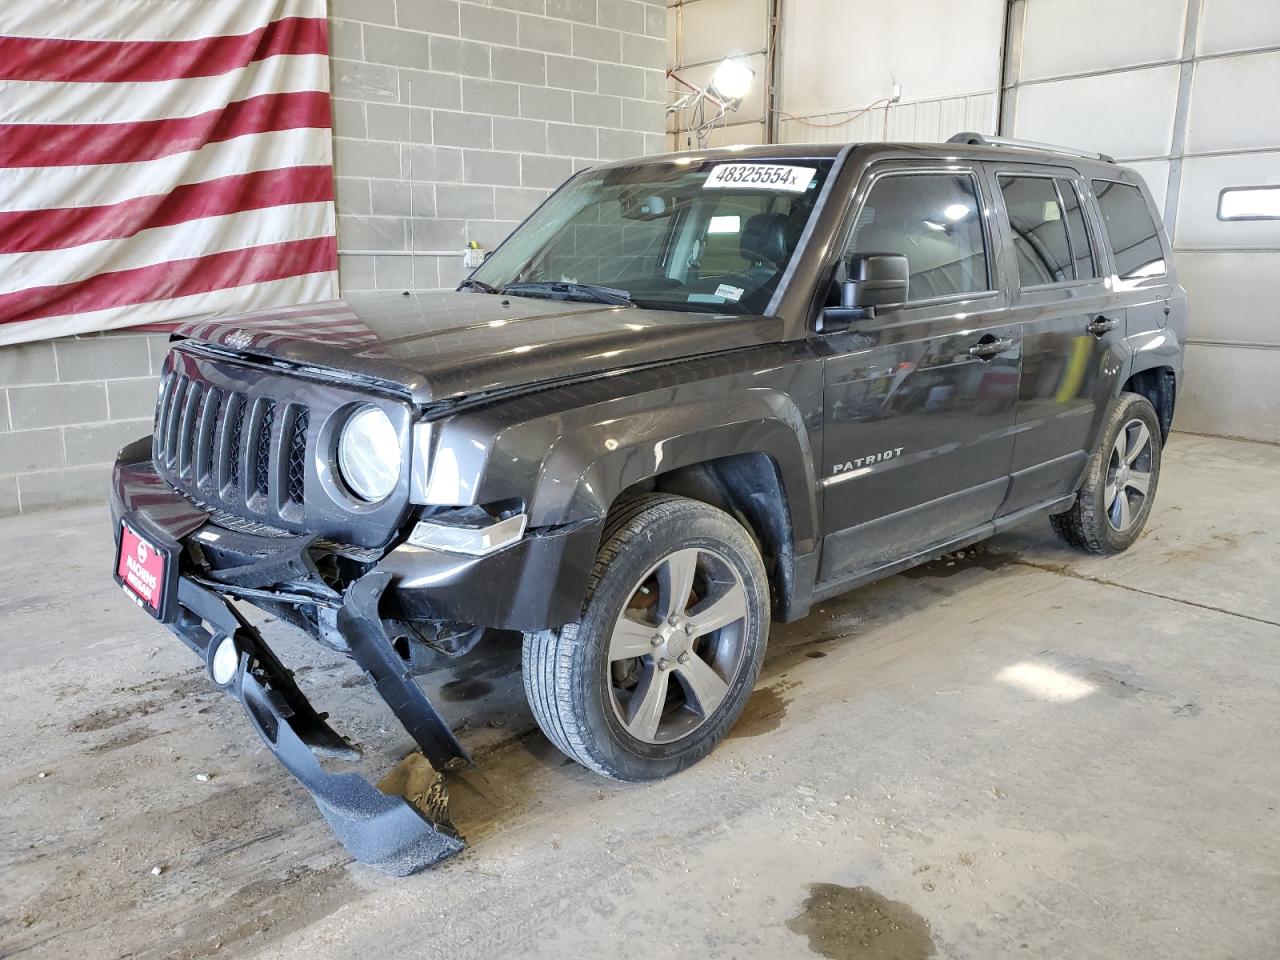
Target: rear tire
<point>1119,488</point>
<point>660,664</point>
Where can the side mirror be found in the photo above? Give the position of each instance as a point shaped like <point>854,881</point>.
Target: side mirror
<point>874,280</point>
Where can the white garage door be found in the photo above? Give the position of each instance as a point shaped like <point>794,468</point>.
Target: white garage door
<point>840,64</point>
<point>1184,91</point>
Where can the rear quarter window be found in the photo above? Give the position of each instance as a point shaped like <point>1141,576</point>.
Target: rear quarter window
<point>1131,230</point>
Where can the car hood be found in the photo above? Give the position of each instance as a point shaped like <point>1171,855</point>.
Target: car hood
<point>443,345</point>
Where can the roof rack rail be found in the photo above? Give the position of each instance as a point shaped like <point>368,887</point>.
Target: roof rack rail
<point>984,140</point>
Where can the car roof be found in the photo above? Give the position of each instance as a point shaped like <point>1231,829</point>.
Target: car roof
<point>1063,157</point>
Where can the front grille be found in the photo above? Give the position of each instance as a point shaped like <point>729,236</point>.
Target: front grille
<point>230,451</point>
<point>210,415</point>
<point>253,445</point>
<point>262,453</point>
<point>230,460</point>
<point>298,457</point>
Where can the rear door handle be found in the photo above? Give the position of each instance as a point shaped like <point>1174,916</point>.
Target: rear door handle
<point>990,346</point>
<point>1100,325</point>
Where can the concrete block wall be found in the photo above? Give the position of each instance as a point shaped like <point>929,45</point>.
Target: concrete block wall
<point>66,407</point>
<point>453,119</point>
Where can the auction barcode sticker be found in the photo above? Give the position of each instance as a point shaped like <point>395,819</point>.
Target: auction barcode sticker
<point>760,176</point>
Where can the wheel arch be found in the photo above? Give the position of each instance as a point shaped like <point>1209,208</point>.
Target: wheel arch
<point>747,456</point>
<point>748,487</point>
<point>1159,384</point>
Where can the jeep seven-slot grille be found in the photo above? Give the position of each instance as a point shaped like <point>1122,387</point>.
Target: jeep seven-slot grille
<point>230,451</point>
<point>298,456</point>
<point>262,457</point>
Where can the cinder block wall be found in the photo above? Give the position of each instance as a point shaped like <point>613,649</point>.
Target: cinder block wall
<point>66,407</point>
<point>453,119</point>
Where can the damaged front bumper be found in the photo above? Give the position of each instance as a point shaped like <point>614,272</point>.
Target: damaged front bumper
<point>378,827</point>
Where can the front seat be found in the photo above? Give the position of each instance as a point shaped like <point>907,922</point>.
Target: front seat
<point>763,245</point>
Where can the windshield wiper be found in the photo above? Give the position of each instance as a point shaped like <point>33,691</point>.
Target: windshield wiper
<point>563,290</point>
<point>477,285</point>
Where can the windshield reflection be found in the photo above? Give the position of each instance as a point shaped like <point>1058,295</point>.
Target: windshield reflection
<point>713,236</point>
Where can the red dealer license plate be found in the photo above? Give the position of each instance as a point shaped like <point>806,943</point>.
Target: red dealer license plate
<point>141,568</point>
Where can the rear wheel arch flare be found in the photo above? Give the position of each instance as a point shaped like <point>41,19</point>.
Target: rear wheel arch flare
<point>1159,385</point>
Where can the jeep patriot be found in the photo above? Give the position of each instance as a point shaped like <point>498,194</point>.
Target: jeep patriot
<point>690,395</point>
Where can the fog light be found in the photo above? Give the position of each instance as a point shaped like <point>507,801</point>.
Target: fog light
<point>226,661</point>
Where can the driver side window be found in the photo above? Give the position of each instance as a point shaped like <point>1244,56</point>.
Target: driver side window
<point>935,221</point>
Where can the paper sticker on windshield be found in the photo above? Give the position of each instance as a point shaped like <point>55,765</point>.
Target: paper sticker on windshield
<point>760,176</point>
<point>726,292</point>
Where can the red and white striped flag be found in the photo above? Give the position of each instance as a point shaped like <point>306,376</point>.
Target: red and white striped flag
<point>160,160</point>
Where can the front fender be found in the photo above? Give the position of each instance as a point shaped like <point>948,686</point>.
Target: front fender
<point>599,463</point>
<point>568,453</point>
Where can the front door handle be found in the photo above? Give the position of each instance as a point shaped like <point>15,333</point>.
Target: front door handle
<point>990,346</point>
<point>1102,325</point>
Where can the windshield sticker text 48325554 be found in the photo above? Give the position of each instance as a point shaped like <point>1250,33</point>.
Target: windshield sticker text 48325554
<point>760,176</point>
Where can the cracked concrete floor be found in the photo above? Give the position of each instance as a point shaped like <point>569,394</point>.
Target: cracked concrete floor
<point>1021,751</point>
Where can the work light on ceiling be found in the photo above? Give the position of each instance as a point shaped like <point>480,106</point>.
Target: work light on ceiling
<point>732,79</point>
<point>730,83</point>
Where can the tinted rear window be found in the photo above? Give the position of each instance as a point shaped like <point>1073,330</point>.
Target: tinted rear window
<point>1131,230</point>
<point>1039,230</point>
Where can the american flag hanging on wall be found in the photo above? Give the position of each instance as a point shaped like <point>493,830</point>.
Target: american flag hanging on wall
<point>161,160</point>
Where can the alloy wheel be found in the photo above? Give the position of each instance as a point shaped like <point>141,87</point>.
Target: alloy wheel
<point>677,646</point>
<point>1128,475</point>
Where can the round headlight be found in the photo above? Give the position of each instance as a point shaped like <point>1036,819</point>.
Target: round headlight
<point>369,454</point>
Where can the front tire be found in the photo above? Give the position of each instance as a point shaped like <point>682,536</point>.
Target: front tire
<point>1119,488</point>
<point>660,664</point>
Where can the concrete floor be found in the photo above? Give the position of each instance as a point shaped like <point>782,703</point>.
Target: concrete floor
<point>1022,752</point>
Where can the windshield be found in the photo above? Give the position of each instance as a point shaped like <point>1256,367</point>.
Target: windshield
<point>711,236</point>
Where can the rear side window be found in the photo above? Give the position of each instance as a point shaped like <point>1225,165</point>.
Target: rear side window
<point>935,221</point>
<point>1077,232</point>
<point>1131,230</point>
<point>1039,225</point>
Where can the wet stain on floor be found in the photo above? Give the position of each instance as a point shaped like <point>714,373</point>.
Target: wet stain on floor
<point>496,657</point>
<point>465,688</point>
<point>953,563</point>
<point>1108,682</point>
<point>763,714</point>
<point>856,923</point>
